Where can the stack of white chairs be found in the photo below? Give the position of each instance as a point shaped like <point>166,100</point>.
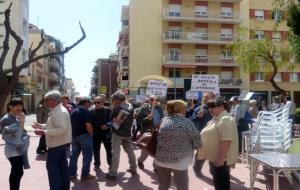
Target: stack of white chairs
<point>271,131</point>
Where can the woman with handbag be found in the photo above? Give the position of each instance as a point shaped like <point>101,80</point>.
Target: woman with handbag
<point>176,140</point>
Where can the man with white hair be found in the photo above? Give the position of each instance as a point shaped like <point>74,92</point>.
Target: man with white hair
<point>58,133</point>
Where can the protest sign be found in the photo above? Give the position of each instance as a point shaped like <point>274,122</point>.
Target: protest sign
<point>205,83</point>
<point>191,95</point>
<point>157,88</point>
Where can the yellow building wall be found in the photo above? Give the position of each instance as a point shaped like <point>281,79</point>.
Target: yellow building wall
<point>145,42</point>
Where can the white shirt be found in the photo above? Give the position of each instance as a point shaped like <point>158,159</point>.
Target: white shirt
<point>58,128</point>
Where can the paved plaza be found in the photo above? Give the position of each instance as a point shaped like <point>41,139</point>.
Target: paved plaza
<point>35,178</point>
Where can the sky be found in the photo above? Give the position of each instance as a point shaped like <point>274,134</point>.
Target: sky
<point>101,21</point>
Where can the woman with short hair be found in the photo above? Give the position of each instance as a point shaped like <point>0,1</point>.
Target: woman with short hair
<point>220,143</point>
<point>176,140</point>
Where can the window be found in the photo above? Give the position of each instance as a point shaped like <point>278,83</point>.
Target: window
<point>226,54</point>
<point>174,54</point>
<point>277,77</point>
<point>226,75</point>
<point>259,76</point>
<point>201,55</point>
<point>201,33</point>
<point>259,34</point>
<point>276,36</point>
<point>259,14</point>
<point>276,15</point>
<point>173,33</point>
<point>294,77</point>
<point>226,34</point>
<point>226,12</point>
<point>174,10</point>
<point>201,11</point>
<point>177,73</point>
<point>200,72</point>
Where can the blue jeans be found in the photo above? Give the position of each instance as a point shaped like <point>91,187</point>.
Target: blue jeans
<point>82,143</point>
<point>57,166</point>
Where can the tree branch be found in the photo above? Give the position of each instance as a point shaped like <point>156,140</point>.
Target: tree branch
<point>67,49</point>
<point>6,40</point>
<point>33,52</point>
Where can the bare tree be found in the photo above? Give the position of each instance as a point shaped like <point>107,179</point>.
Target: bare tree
<point>10,77</point>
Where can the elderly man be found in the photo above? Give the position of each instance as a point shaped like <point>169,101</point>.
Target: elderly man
<point>58,133</point>
<point>122,117</point>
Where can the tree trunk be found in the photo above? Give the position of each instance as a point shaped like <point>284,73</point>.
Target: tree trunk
<point>6,87</point>
<point>271,79</point>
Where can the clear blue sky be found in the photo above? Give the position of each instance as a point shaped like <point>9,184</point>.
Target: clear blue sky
<point>101,21</point>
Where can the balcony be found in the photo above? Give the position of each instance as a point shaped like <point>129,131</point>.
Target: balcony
<point>223,83</point>
<point>204,17</point>
<point>53,66</point>
<point>182,61</point>
<point>230,83</point>
<point>198,38</point>
<point>53,77</point>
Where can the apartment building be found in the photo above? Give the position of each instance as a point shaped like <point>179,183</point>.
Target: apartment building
<point>45,74</point>
<point>104,79</point>
<point>123,50</point>
<point>260,18</point>
<point>19,17</point>
<point>179,38</point>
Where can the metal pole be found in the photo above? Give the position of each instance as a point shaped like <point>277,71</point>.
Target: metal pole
<point>174,77</point>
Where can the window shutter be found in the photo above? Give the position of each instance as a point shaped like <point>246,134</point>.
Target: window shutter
<point>252,13</point>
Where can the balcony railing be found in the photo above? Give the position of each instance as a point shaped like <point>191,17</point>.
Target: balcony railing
<point>198,37</point>
<point>198,60</point>
<point>53,66</point>
<point>233,82</point>
<point>209,16</point>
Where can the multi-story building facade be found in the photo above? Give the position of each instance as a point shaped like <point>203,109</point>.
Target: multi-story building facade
<point>260,18</point>
<point>123,50</point>
<point>45,74</point>
<point>179,38</point>
<point>70,88</point>
<point>19,17</point>
<point>104,79</point>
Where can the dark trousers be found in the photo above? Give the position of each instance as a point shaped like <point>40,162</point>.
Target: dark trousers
<point>135,130</point>
<point>57,166</point>
<point>97,140</point>
<point>181,178</point>
<point>221,176</point>
<point>198,165</point>
<point>16,172</point>
<point>42,144</point>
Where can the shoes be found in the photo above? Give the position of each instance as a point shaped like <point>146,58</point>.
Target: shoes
<point>141,165</point>
<point>132,171</point>
<point>110,177</point>
<point>97,169</point>
<point>73,178</point>
<point>88,177</point>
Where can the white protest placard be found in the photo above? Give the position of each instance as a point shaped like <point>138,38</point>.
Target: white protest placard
<point>205,83</point>
<point>245,95</point>
<point>157,88</point>
<point>140,98</point>
<point>191,95</point>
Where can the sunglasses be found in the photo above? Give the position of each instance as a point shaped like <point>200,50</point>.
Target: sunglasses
<point>97,102</point>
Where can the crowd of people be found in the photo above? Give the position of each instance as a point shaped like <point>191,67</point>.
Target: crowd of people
<point>186,134</point>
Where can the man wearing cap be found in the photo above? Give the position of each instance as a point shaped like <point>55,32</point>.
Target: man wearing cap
<point>82,132</point>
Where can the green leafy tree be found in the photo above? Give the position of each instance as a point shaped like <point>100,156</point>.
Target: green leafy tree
<point>261,54</point>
